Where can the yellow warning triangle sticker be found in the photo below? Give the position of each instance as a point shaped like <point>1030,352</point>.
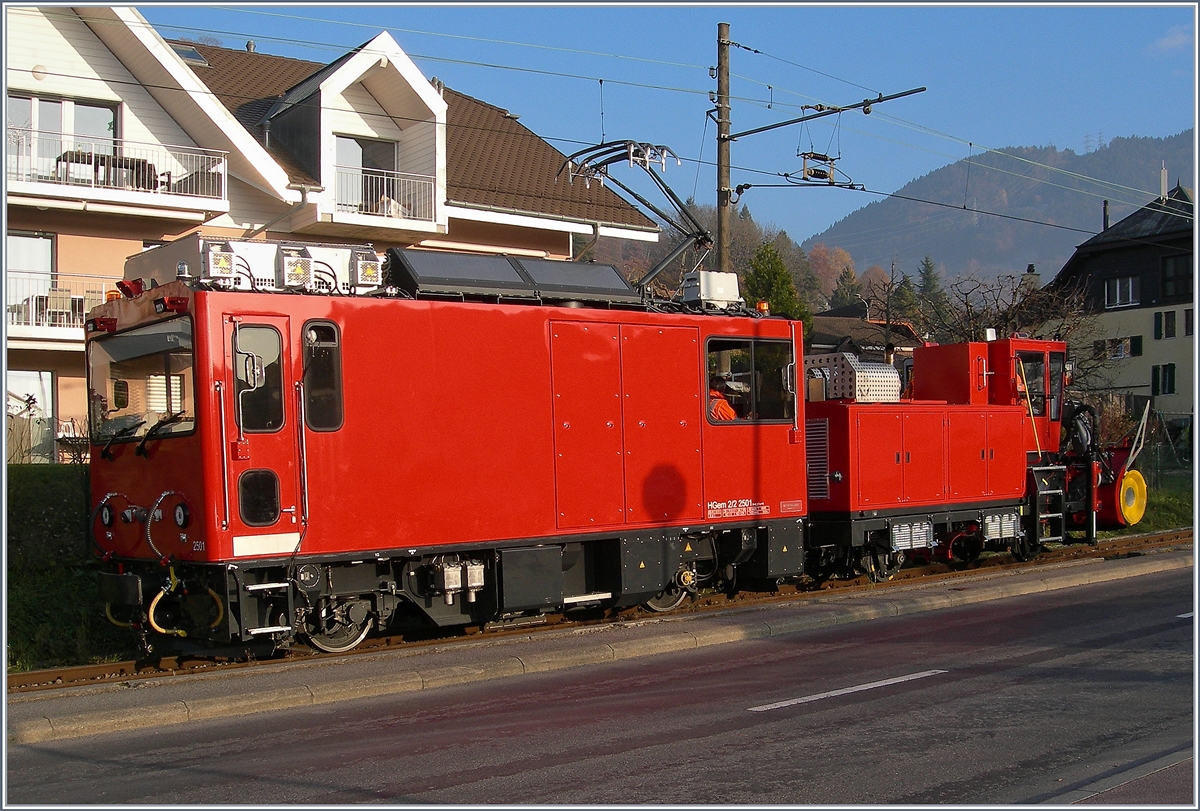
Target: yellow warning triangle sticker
<point>642,565</point>
<point>687,548</point>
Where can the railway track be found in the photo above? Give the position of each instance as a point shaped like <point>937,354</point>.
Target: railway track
<point>117,672</point>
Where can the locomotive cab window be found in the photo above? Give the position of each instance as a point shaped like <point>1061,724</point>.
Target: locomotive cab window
<point>750,380</point>
<point>1058,363</point>
<point>322,376</point>
<point>1031,380</point>
<point>258,378</point>
<point>142,381</point>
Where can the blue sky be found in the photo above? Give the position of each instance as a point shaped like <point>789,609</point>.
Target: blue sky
<point>1015,75</point>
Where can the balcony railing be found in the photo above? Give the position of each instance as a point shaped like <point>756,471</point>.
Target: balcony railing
<point>114,163</point>
<point>53,300</point>
<point>381,193</point>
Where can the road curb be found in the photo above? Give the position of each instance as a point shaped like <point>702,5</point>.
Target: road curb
<point>816,614</point>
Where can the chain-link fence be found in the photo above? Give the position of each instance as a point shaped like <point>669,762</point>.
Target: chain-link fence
<point>1166,459</point>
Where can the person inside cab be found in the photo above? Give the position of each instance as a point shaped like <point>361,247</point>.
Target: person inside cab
<point>719,409</point>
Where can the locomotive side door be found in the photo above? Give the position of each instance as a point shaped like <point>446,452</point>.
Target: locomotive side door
<point>258,427</point>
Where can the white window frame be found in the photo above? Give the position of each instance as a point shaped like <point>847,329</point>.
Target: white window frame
<point>1122,291</point>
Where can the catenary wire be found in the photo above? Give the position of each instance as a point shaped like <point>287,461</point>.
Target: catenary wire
<point>749,100</point>
<point>690,91</point>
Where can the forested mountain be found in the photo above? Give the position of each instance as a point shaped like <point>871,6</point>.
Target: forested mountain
<point>1042,184</point>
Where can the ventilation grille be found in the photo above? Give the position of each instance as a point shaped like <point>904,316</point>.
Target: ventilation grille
<point>1006,525</point>
<point>912,536</point>
<point>848,378</point>
<point>817,440</point>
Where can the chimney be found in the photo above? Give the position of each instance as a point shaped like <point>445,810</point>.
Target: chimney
<point>1105,215</point>
<point>1032,280</point>
<point>250,46</point>
<point>1162,182</point>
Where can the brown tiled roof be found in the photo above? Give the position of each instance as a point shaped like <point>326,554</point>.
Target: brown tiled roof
<point>492,160</point>
<point>833,330</point>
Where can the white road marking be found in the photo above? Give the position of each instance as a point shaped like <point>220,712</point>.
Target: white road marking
<point>857,688</point>
<point>1186,616</point>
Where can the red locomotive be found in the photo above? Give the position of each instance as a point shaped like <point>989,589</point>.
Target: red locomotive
<point>301,441</point>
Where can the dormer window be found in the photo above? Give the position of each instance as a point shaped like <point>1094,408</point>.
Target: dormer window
<point>1124,291</point>
<point>368,181</point>
<point>365,174</point>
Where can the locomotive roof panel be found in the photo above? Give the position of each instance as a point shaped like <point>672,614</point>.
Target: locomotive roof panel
<point>430,272</point>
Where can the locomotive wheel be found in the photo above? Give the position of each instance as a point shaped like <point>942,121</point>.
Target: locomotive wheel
<point>965,550</point>
<point>342,632</point>
<point>340,638</point>
<point>1025,548</point>
<point>881,563</point>
<point>667,600</point>
<point>824,564</point>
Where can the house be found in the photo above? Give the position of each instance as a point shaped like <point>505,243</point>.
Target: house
<point>119,140</point>
<point>847,329</point>
<point>1136,279</point>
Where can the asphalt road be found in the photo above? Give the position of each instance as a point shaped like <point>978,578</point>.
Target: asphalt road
<point>1044,698</point>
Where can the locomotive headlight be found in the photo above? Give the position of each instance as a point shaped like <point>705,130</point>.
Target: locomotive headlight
<point>219,264</point>
<point>182,516</point>
<point>106,515</point>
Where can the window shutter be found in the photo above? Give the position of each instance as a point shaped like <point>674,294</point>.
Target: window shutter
<point>1158,326</point>
<point>1135,346</point>
<point>1154,380</point>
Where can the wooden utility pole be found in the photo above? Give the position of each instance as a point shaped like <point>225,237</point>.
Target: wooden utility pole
<point>724,213</point>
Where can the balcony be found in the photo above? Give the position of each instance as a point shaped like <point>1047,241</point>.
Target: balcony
<point>51,308</point>
<point>78,164</point>
<point>380,193</point>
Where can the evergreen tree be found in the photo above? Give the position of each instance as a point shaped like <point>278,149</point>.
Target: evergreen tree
<point>770,281</point>
<point>906,306</point>
<point>808,286</point>
<point>847,291</point>
<point>934,302</point>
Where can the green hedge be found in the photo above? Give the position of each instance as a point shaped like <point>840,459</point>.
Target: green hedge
<point>48,509</point>
<point>55,617</point>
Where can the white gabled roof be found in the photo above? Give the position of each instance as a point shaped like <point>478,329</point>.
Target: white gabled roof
<point>383,52</point>
<point>173,84</point>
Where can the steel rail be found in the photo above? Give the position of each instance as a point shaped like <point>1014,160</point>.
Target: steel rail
<point>1111,548</point>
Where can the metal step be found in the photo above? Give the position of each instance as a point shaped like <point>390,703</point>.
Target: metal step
<point>264,586</point>
<point>587,598</point>
<point>270,629</point>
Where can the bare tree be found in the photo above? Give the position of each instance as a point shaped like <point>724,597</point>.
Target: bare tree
<point>890,297</point>
<point>1014,306</point>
